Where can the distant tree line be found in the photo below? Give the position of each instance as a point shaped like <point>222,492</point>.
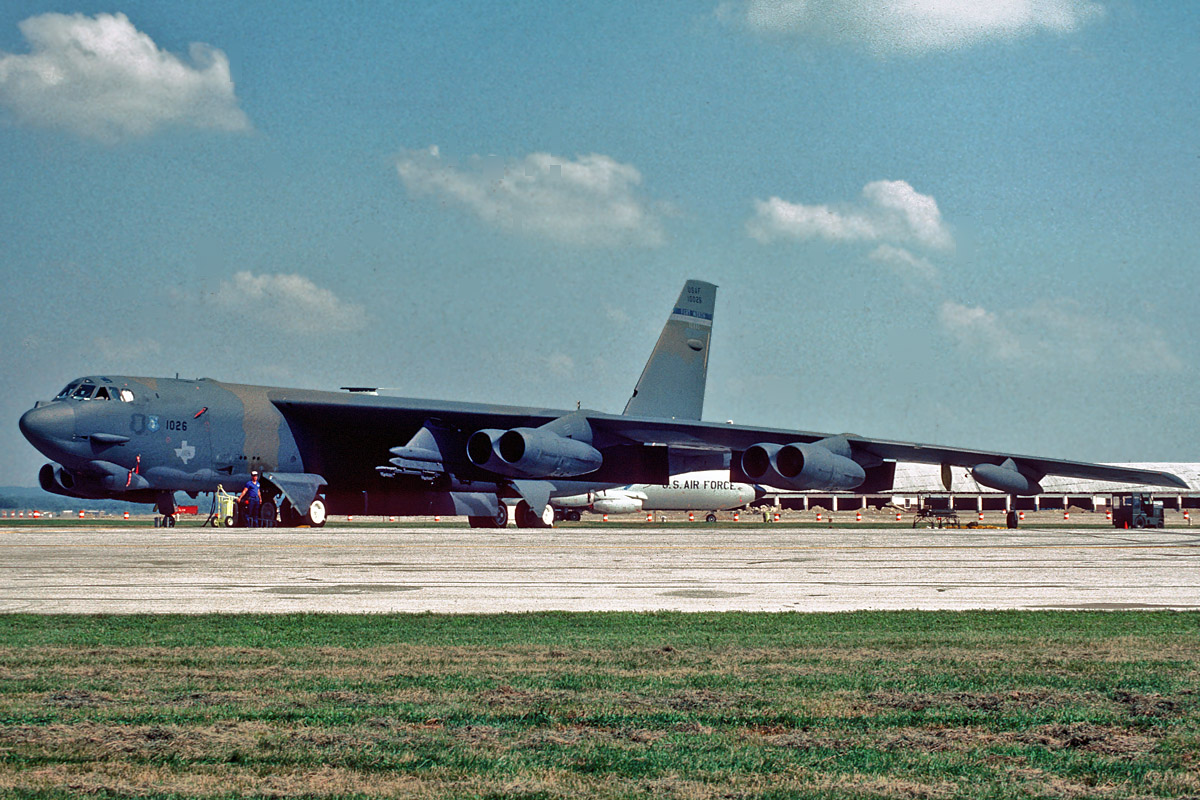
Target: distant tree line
<point>20,498</point>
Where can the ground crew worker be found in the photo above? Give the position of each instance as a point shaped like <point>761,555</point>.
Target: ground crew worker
<point>251,497</point>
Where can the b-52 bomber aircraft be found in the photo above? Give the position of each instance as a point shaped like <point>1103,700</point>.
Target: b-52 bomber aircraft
<point>359,452</point>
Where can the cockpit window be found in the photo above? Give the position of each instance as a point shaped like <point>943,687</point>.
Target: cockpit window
<point>66,392</point>
<point>84,392</point>
<point>126,396</point>
<point>102,394</point>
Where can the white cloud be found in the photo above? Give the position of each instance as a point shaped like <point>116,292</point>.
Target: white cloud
<point>887,211</point>
<point>980,329</point>
<point>100,77</point>
<point>289,303</point>
<point>1059,334</point>
<point>593,200</point>
<point>903,263</point>
<point>887,27</point>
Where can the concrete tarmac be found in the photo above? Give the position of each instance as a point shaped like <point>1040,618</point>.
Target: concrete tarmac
<point>710,568</point>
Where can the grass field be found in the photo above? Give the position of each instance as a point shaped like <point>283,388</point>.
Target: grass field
<point>897,704</point>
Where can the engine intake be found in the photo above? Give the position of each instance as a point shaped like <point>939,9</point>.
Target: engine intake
<point>58,480</point>
<point>803,465</point>
<point>531,453</point>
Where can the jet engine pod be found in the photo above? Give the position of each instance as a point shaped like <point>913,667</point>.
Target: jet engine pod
<point>531,453</point>
<point>1005,478</point>
<point>57,480</point>
<point>800,466</point>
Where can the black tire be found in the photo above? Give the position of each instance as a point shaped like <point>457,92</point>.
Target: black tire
<point>711,518</point>
<point>498,521</point>
<point>169,521</point>
<point>527,519</point>
<point>1140,522</point>
<point>227,522</point>
<point>573,516</point>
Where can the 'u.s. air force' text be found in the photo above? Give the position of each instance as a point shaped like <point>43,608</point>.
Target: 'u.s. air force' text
<point>705,485</point>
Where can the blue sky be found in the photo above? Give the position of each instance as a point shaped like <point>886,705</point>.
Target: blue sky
<point>965,224</point>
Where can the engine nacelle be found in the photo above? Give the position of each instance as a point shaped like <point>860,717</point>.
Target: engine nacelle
<point>801,466</point>
<point>58,480</point>
<point>531,453</point>
<point>1005,478</point>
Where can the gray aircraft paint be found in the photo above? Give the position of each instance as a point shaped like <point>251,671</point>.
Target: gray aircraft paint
<point>672,383</point>
<point>912,478</point>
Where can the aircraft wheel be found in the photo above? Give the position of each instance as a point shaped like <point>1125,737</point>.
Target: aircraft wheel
<point>573,516</point>
<point>169,521</point>
<point>268,514</point>
<point>711,518</point>
<point>316,513</point>
<point>500,520</point>
<point>527,519</point>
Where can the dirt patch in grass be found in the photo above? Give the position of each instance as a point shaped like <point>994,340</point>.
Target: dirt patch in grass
<point>77,698</point>
<point>1015,700</point>
<point>1148,705</point>
<point>1103,739</point>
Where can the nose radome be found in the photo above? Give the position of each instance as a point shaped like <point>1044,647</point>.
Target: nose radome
<point>49,424</point>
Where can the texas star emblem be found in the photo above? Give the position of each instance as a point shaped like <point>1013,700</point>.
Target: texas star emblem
<point>185,451</point>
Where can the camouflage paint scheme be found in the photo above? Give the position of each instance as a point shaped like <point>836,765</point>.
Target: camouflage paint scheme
<point>142,439</point>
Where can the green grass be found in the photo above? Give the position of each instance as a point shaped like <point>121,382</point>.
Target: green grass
<point>888,704</point>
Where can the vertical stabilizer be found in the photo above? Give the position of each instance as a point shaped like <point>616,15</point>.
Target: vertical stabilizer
<point>672,383</point>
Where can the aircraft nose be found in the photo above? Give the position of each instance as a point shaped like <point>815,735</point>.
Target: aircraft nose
<point>51,425</point>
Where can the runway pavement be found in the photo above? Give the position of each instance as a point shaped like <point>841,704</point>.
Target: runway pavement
<point>711,568</point>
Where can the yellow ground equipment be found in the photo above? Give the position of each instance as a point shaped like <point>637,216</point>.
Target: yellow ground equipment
<point>225,508</point>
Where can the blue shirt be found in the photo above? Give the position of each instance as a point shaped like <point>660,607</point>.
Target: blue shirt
<point>252,492</point>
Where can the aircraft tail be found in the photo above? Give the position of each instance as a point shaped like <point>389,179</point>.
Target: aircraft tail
<point>672,382</point>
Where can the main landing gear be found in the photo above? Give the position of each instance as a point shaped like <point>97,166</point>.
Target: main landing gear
<point>498,521</point>
<point>315,517</point>
<point>523,516</point>
<point>527,519</point>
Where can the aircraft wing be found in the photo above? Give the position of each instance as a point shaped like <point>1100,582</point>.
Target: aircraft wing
<point>379,425</point>
<point>734,438</point>
<point>960,457</point>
